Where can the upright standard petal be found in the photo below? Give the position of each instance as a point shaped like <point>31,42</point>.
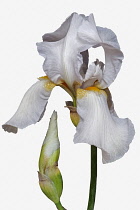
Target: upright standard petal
<point>106,38</point>
<point>113,56</point>
<point>62,58</point>
<point>99,127</point>
<point>32,106</point>
<point>63,49</point>
<point>60,33</point>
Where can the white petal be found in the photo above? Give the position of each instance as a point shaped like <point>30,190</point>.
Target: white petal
<point>60,33</point>
<point>113,56</point>
<point>90,71</point>
<point>89,76</point>
<point>106,38</point>
<point>62,58</point>
<point>32,106</point>
<point>94,73</point>
<point>62,49</point>
<point>52,66</point>
<point>110,102</point>
<point>88,33</point>
<point>101,128</point>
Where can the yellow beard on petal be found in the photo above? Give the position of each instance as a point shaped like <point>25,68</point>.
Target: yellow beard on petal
<point>49,85</point>
<point>95,89</point>
<point>43,78</point>
<point>81,93</point>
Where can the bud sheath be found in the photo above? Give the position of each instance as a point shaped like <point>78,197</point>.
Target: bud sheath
<point>50,179</point>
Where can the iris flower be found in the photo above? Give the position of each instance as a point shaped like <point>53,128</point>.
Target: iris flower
<point>66,65</point>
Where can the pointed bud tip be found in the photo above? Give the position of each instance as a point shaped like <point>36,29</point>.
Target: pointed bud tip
<point>54,115</point>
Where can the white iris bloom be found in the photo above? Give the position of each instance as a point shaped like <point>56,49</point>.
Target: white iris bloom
<point>66,64</point>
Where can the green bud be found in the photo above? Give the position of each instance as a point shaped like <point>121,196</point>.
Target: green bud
<point>73,113</point>
<point>50,179</point>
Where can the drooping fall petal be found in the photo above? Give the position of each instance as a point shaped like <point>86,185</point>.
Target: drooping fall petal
<point>100,127</point>
<point>32,106</point>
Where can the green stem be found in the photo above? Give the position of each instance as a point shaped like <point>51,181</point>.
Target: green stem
<point>74,102</point>
<point>59,206</point>
<point>92,192</point>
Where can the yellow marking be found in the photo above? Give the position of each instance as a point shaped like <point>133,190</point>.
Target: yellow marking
<point>95,89</point>
<point>49,85</point>
<point>81,93</point>
<point>43,78</point>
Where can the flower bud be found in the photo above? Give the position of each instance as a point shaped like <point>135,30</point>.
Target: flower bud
<point>73,113</point>
<point>50,179</point>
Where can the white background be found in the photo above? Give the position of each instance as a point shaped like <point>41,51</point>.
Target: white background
<point>22,23</point>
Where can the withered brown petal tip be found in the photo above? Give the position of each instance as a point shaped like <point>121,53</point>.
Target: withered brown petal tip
<point>10,128</point>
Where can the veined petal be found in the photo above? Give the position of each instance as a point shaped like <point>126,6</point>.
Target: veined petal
<point>62,57</point>
<point>32,106</point>
<point>60,33</point>
<point>113,56</point>
<point>101,128</point>
<point>52,52</point>
<point>63,49</point>
<point>106,38</point>
<point>91,71</point>
<point>88,34</point>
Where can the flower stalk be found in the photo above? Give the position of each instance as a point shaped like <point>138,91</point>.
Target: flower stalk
<point>59,206</point>
<point>92,192</point>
